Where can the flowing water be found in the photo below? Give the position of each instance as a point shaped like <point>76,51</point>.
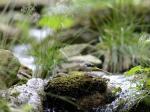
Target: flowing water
<point>126,98</point>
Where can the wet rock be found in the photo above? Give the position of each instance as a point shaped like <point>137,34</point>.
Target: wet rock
<point>75,89</point>
<point>66,67</point>
<point>85,58</point>
<point>76,66</point>
<point>80,63</point>
<point>76,49</point>
<point>31,93</point>
<point>9,66</point>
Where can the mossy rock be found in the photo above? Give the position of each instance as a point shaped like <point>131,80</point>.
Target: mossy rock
<point>9,66</point>
<point>70,92</point>
<point>76,85</point>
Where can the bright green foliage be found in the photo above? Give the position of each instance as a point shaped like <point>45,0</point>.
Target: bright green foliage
<point>118,40</point>
<point>134,70</point>
<point>144,74</point>
<point>56,21</point>
<point>138,70</point>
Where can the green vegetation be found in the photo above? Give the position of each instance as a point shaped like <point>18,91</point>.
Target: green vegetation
<point>119,41</point>
<point>47,56</point>
<point>116,31</point>
<point>143,76</point>
<point>56,22</point>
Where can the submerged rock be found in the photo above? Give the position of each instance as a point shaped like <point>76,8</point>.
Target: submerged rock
<point>9,66</point>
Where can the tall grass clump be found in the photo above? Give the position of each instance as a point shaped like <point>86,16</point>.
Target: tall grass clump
<point>47,56</point>
<point>119,41</point>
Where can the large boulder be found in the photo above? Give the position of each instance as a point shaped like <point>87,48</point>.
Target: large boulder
<point>9,66</point>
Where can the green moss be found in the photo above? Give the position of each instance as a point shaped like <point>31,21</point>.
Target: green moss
<point>56,21</point>
<point>76,85</point>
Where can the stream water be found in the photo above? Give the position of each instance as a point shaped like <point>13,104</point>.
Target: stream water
<point>126,98</point>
